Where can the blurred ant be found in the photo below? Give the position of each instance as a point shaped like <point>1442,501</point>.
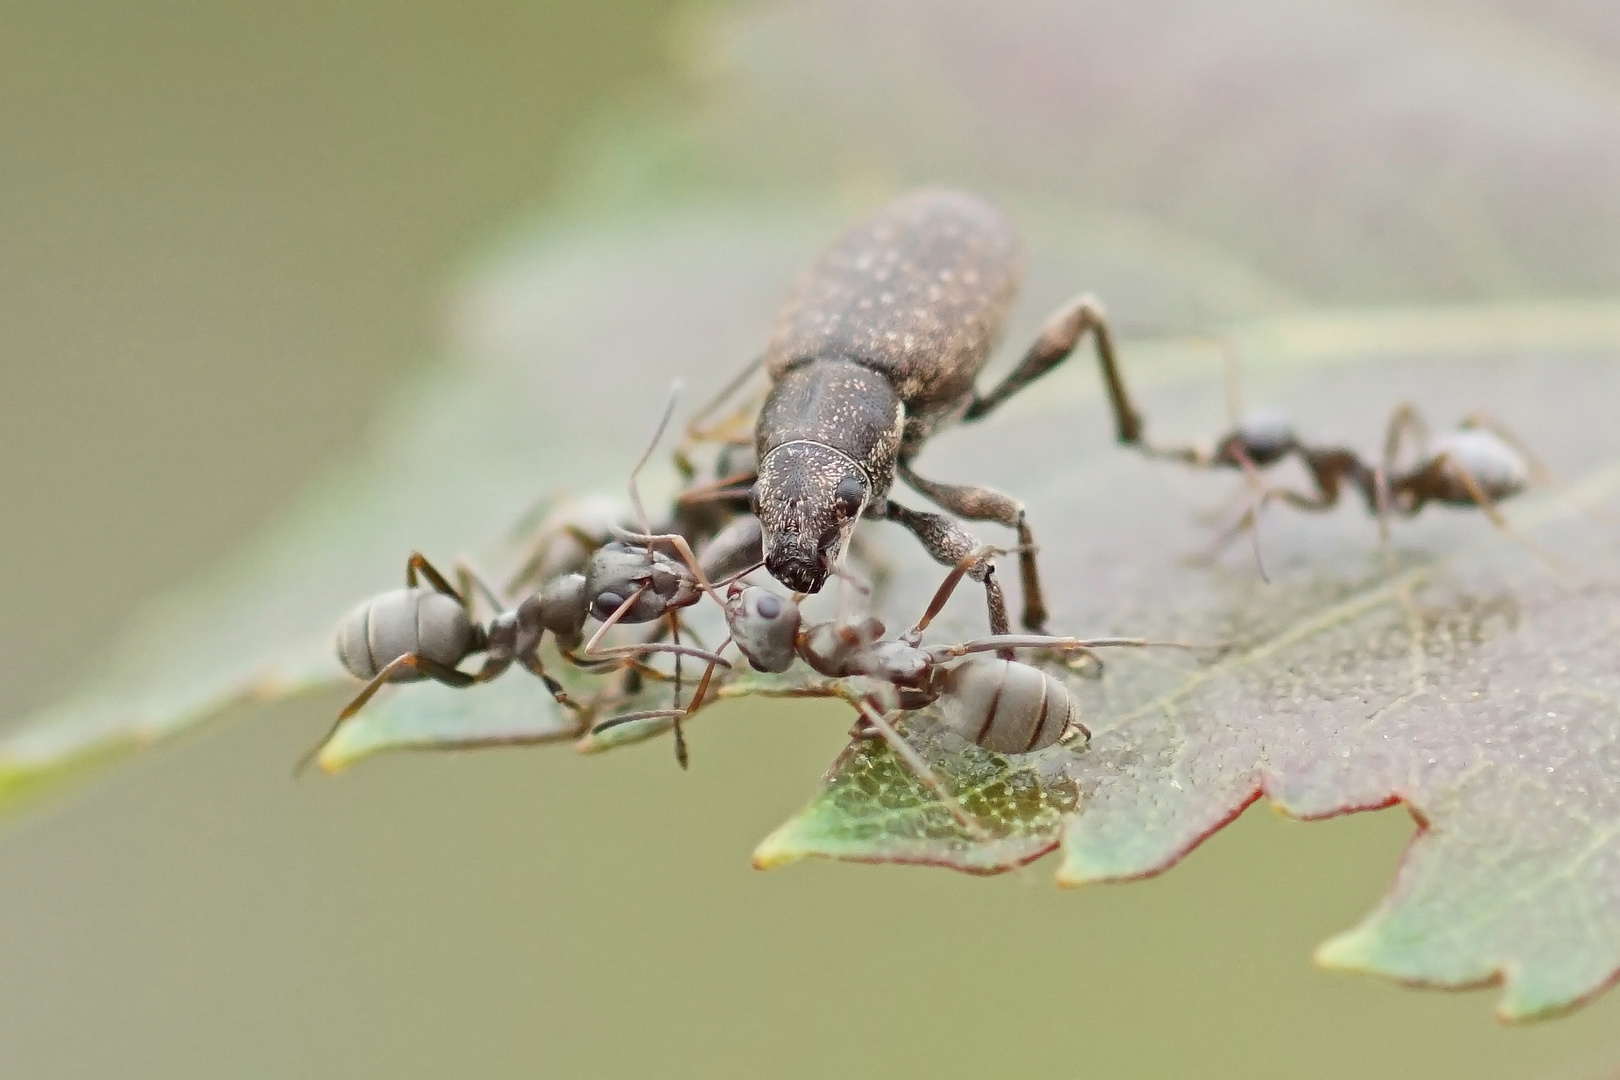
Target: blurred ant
<point>1478,464</point>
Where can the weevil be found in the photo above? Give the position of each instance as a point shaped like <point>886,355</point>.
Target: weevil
<point>878,346</point>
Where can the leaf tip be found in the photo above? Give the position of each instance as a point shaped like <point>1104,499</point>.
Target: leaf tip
<point>1353,950</point>
<point>777,849</point>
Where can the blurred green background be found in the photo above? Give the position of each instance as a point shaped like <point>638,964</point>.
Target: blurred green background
<point>228,232</point>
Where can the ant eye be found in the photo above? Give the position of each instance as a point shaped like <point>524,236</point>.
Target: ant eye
<point>849,495</point>
<point>767,605</point>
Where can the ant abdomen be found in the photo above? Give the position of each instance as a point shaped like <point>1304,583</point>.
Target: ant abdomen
<point>1264,437</point>
<point>1496,468</point>
<point>1005,706</point>
<point>392,624</point>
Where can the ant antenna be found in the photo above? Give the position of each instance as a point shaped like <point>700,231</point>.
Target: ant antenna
<point>1234,377</point>
<point>646,455</point>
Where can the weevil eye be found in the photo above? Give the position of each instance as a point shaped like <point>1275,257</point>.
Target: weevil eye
<point>754,502</point>
<point>848,495</point>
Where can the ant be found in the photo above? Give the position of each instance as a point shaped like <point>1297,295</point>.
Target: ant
<point>416,633</point>
<point>428,632</point>
<point>997,702</point>
<point>1478,464</point>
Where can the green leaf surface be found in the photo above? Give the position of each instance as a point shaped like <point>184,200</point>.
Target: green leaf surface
<point>1371,203</point>
<point>873,808</point>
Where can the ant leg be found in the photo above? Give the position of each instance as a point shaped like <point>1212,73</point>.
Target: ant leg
<point>948,543</point>
<point>532,664</point>
<point>431,668</point>
<point>740,544</point>
<point>434,670</point>
<point>1404,419</point>
<point>469,580</point>
<point>734,487</point>
<point>999,642</point>
<point>943,594</point>
<point>700,698</point>
<point>681,756</point>
<point>983,504</point>
<point>1475,492</point>
<point>611,621</point>
<point>920,768</point>
<point>1058,339</point>
<point>418,564</point>
<point>542,547</point>
<point>696,432</point>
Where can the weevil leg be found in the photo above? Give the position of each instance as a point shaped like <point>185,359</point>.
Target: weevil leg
<point>1058,339</point>
<point>983,504</point>
<point>738,546</point>
<point>948,543</point>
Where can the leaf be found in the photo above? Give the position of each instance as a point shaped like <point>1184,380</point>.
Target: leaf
<point>1222,168</point>
<point>427,716</point>
<point>873,808</point>
<point>1491,707</point>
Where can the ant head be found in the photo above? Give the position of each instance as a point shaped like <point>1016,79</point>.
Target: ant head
<point>765,626</point>
<point>619,570</point>
<point>1263,437</point>
<point>808,498</point>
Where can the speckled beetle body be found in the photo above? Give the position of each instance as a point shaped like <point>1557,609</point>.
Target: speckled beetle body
<point>880,343</point>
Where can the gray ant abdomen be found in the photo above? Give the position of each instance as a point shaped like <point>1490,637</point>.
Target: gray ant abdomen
<point>918,291</point>
<point>386,627</point>
<point>1005,706</point>
<point>1265,436</point>
<point>1498,469</point>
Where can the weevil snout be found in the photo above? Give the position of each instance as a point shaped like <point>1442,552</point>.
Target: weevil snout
<point>807,498</point>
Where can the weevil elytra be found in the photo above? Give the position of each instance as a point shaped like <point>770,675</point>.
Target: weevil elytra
<point>880,344</point>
